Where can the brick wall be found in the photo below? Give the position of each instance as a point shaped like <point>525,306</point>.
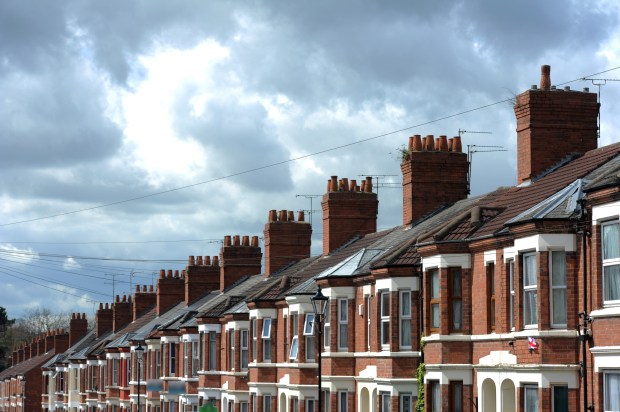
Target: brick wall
<point>286,239</point>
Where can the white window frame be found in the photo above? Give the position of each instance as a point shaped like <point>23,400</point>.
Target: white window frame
<point>404,304</point>
<point>367,299</point>
<point>435,296</point>
<point>386,401</point>
<point>343,324</point>
<point>294,351</point>
<point>608,262</point>
<point>186,357</point>
<point>559,287</point>
<point>343,406</point>
<point>553,388</point>
<point>511,288</point>
<point>327,326</point>
<point>212,350</point>
<point>231,349</point>
<point>266,403</point>
<point>294,404</point>
<point>266,336</point>
<point>245,356</point>
<point>243,407</point>
<point>254,339</point>
<point>526,388</point>
<point>310,338</point>
<point>115,369</point>
<point>310,404</point>
<point>172,359</point>
<point>401,406</point>
<point>384,315</point>
<point>606,373</point>
<point>528,322</point>
<point>326,400</point>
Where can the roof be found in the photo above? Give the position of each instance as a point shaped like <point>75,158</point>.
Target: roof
<point>26,366</point>
<point>218,305</point>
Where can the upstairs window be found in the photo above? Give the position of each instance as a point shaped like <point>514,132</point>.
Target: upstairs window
<point>558,288</point>
<point>254,340</point>
<point>231,349</point>
<point>405,318</point>
<point>511,287</point>
<point>491,295</point>
<point>244,349</point>
<point>172,359</point>
<point>114,372</point>
<point>385,319</point>
<point>294,340</point>
<point>309,334</point>
<point>456,300</point>
<point>611,262</point>
<point>530,290</point>
<point>266,336</point>
<point>212,351</point>
<point>433,276</point>
<point>611,391</point>
<point>367,298</point>
<point>326,325</point>
<point>343,324</point>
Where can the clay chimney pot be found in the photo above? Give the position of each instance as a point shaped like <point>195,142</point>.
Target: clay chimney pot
<point>545,77</point>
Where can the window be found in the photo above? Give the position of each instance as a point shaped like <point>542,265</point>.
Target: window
<point>384,298</point>
<point>244,349</point>
<point>195,359</point>
<point>434,301</point>
<point>171,406</point>
<point>530,291</point>
<point>611,391</point>
<point>558,288</point>
<point>309,334</point>
<point>368,322</point>
<point>266,335</point>
<point>201,350</point>
<point>385,402</point>
<point>212,351</point>
<point>187,348</point>
<point>127,363</point>
<point>114,372</point>
<point>456,396</point>
<point>266,403</point>
<point>343,324</point>
<point>253,402</point>
<point>61,379</point>
<point>434,394</point>
<point>326,325</point>
<point>560,398</point>
<point>326,400</point>
<point>491,295</point>
<point>405,318</point>
<point>530,395</point>
<point>173,359</point>
<point>343,404</point>
<point>294,404</point>
<point>511,287</point>
<point>310,405</point>
<point>254,340</point>
<point>406,402</point>
<point>243,407</point>
<point>93,378</point>
<point>294,341</point>
<point>231,348</point>
<point>611,262</point>
<point>456,300</point>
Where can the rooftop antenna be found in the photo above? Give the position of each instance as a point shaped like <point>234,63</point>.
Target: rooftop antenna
<point>471,149</point>
<point>113,283</point>
<point>376,177</point>
<point>598,83</point>
<point>311,211</point>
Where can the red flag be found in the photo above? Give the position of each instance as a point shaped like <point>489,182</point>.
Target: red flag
<point>531,343</point>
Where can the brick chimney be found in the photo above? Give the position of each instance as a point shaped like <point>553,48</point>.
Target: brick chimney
<point>20,353</point>
<point>61,341</point>
<point>201,277</point>
<point>49,342</point>
<point>434,173</point>
<point>78,326</point>
<point>239,258</point>
<point>122,312</point>
<point>551,125</point>
<point>170,290</point>
<point>348,211</point>
<point>143,300</point>
<point>286,240</point>
<point>103,319</point>
<point>26,352</point>
<point>40,344</point>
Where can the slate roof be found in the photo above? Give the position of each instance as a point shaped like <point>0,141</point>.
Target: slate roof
<point>123,338</point>
<point>26,366</point>
<point>236,293</point>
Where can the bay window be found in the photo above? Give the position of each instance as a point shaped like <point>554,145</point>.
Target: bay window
<point>611,391</point>
<point>530,290</point>
<point>343,324</point>
<point>434,300</point>
<point>385,319</point>
<point>405,318</point>
<point>309,334</point>
<point>266,336</point>
<point>244,349</point>
<point>456,299</point>
<point>558,288</point>
<point>611,262</point>
<point>294,340</point>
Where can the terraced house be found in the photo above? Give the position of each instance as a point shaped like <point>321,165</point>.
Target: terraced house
<point>509,300</point>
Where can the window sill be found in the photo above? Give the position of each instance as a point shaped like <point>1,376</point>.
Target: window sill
<point>607,311</point>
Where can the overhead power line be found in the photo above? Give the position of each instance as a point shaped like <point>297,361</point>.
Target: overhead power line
<point>282,162</point>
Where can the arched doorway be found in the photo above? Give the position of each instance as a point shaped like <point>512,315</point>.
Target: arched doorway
<point>283,407</point>
<point>364,400</point>
<point>488,396</point>
<point>509,400</point>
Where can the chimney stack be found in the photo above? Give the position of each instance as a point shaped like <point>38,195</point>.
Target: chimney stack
<point>143,299</point>
<point>78,326</point>
<point>551,125</point>
<point>103,319</point>
<point>170,290</point>
<point>433,175</point>
<point>349,210</point>
<point>201,277</point>
<point>122,312</point>
<point>286,240</point>
<point>239,260</point>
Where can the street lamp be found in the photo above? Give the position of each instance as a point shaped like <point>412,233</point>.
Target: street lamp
<point>139,352</point>
<point>319,304</point>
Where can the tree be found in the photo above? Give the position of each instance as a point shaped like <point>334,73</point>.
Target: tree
<point>5,344</point>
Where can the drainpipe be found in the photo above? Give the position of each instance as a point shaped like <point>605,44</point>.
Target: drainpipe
<point>583,331</point>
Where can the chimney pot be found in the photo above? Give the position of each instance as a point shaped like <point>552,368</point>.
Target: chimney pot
<point>272,217</point>
<point>191,261</point>
<point>216,261</point>
<point>198,261</point>
<point>207,261</point>
<point>430,143</point>
<point>586,89</point>
<point>545,77</point>
<point>176,273</point>
<point>345,184</point>
<point>137,288</point>
<point>443,143</point>
<point>301,217</point>
<point>245,241</point>
<point>255,241</point>
<point>334,184</point>
<point>352,185</point>
<point>170,273</point>
<point>410,145</point>
<point>236,240</point>
<point>368,184</point>
<point>282,216</point>
<point>227,240</point>
<point>291,216</point>
<point>534,87</point>
<point>456,144</point>
<point>567,88</point>
<point>162,273</point>
<point>417,143</point>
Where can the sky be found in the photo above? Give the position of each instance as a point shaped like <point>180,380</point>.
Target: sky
<point>106,108</point>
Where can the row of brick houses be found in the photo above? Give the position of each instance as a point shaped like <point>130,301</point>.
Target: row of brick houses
<point>511,300</point>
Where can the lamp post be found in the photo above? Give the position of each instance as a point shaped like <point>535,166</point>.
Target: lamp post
<point>139,352</point>
<point>319,303</point>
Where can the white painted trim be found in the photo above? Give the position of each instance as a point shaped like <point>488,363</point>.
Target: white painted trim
<point>544,242</point>
<point>509,253</point>
<point>238,324</point>
<point>543,375</point>
<point>396,284</point>
<point>605,212</point>
<point>462,260</point>
<point>339,292</point>
<point>170,339</point>
<point>606,357</point>
<point>490,256</point>
<point>535,333</point>
<point>606,312</point>
<point>210,327</point>
<point>263,313</point>
<point>210,393</point>
<point>300,308</point>
<point>446,373</point>
<point>110,355</point>
<point>366,289</point>
<point>190,337</point>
